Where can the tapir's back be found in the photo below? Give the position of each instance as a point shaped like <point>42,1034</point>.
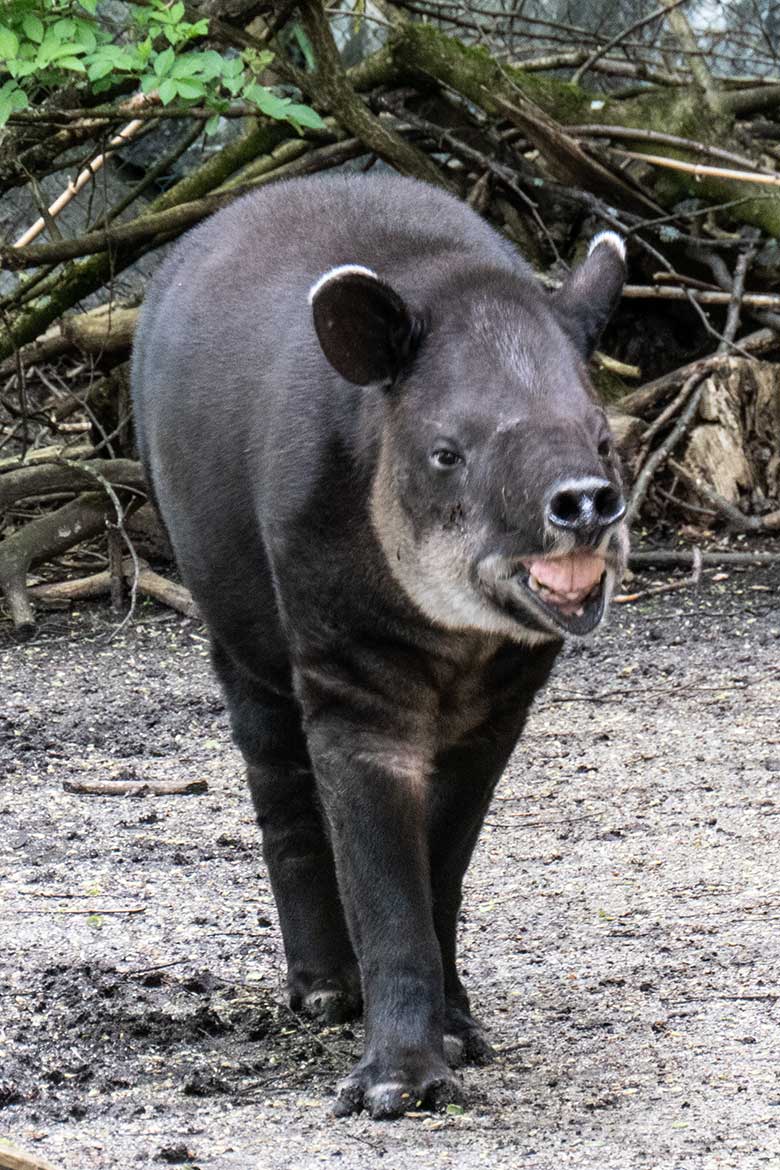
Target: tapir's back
<point>227,314</point>
<point>235,289</point>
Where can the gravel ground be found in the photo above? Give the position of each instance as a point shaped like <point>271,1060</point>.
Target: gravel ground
<point>619,932</point>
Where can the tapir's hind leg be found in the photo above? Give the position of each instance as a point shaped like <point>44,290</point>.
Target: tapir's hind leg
<point>460,795</point>
<point>322,973</point>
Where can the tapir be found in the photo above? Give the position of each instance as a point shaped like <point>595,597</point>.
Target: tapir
<point>393,492</point>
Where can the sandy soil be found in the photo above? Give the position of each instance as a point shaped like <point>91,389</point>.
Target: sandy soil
<point>620,931</point>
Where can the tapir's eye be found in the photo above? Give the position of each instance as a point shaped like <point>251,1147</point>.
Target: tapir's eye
<point>445,457</point>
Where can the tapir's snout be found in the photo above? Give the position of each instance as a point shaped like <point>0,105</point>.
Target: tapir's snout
<point>586,508</point>
<point>566,584</point>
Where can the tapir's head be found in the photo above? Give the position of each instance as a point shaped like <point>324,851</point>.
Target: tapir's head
<point>497,497</point>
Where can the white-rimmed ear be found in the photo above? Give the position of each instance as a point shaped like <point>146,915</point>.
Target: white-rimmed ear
<point>336,274</point>
<point>612,240</point>
<point>590,294</point>
<point>364,328</point>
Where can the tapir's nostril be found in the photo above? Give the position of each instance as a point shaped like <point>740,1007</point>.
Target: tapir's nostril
<point>565,508</point>
<point>608,504</point>
<point>586,506</point>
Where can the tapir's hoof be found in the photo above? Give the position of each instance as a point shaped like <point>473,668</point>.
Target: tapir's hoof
<point>331,1005</point>
<point>464,1040</point>
<point>332,999</point>
<point>393,1092</point>
<point>468,1047</point>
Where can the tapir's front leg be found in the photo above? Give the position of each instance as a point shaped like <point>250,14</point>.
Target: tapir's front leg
<point>373,795</point>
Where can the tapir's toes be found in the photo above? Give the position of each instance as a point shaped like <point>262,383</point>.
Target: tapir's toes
<point>329,999</point>
<point>476,1049</point>
<point>468,1048</point>
<point>454,1050</point>
<point>349,1097</point>
<point>394,1096</point>
<point>465,1041</point>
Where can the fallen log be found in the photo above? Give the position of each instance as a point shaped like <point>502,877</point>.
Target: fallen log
<point>42,539</point>
<point>662,557</point>
<point>148,582</point>
<point>136,787</point>
<point>14,1158</point>
<point>61,474</point>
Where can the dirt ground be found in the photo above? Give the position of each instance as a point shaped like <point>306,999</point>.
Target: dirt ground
<point>619,935</point>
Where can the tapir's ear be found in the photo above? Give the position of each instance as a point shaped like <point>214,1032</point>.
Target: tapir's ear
<point>366,331</point>
<point>589,296</point>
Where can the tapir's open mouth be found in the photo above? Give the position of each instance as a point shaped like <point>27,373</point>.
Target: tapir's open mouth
<point>568,589</point>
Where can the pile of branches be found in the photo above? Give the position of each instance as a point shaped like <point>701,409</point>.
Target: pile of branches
<point>548,129</point>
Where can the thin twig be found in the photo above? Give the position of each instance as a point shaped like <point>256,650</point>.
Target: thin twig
<point>735,519</point>
<point>136,787</point>
<point>119,525</point>
<point>125,135</point>
<point>666,414</point>
<point>634,134</point>
<point>662,557</point>
<point>701,170</point>
<point>92,910</point>
<point>636,692</point>
<point>621,36</point>
<point>737,298</point>
<point>669,587</point>
<point>703,297</point>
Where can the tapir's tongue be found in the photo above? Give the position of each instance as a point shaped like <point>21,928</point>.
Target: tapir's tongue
<point>566,581</point>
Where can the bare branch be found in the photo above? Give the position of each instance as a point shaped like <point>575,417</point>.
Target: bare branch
<point>89,172</point>
<point>665,9</point>
<point>701,170</point>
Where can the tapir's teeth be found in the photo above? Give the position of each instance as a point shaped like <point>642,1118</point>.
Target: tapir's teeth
<point>560,600</point>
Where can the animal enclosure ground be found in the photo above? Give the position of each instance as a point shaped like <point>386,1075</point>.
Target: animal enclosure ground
<point>619,932</point>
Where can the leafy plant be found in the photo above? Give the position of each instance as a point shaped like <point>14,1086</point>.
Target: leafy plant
<point>47,44</point>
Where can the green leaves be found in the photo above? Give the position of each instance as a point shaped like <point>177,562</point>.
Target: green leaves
<point>33,27</point>
<point>12,99</point>
<point>9,44</point>
<point>43,43</point>
<point>163,62</point>
<point>282,108</point>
